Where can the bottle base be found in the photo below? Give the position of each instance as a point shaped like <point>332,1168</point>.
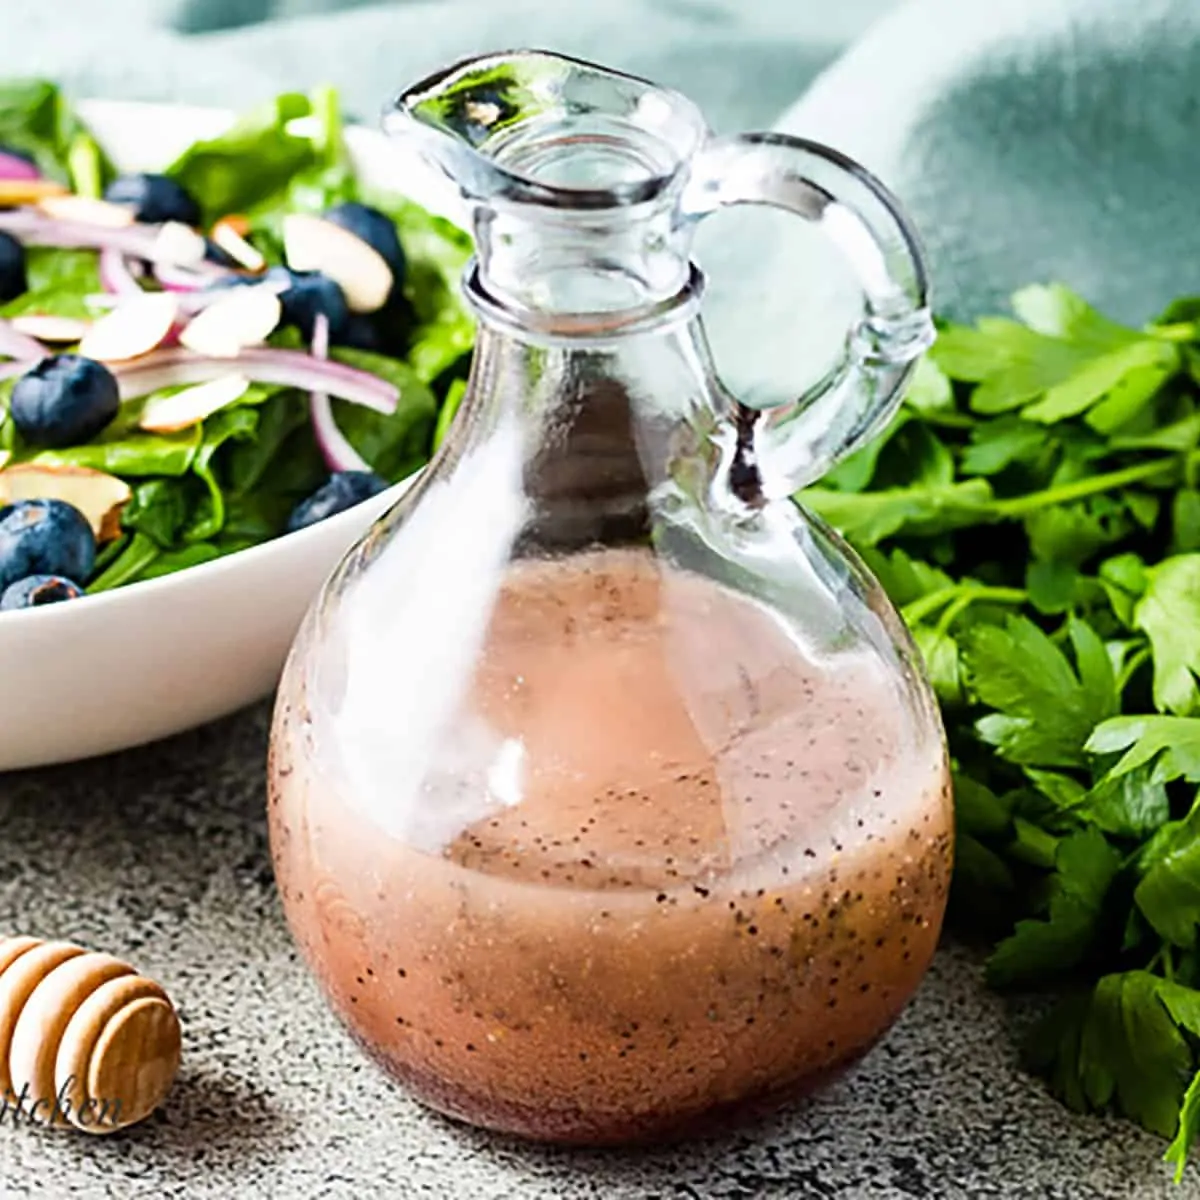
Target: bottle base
<point>539,1124</point>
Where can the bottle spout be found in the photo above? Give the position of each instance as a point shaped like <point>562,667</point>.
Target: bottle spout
<point>528,126</point>
<point>573,173</point>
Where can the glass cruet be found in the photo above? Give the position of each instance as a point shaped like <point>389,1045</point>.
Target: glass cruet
<point>607,796</point>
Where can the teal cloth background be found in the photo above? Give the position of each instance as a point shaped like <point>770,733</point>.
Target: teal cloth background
<point>746,60</point>
<point>1030,139</point>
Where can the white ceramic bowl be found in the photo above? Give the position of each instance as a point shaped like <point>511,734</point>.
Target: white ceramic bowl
<point>139,663</point>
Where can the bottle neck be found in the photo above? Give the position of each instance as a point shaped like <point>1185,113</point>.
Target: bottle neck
<point>559,263</point>
<point>599,423</point>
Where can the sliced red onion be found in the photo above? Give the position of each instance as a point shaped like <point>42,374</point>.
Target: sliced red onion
<point>191,303</point>
<point>335,447</point>
<point>282,368</point>
<point>319,347</point>
<point>34,228</point>
<point>116,274</point>
<point>179,279</point>
<point>20,346</point>
<point>194,302</point>
<point>13,166</point>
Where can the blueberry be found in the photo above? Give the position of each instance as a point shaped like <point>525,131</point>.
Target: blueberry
<point>378,231</point>
<point>311,293</point>
<point>154,199</point>
<point>35,590</point>
<point>344,490</point>
<point>64,400</point>
<point>361,332</point>
<point>382,332</point>
<point>44,537</point>
<point>13,281</point>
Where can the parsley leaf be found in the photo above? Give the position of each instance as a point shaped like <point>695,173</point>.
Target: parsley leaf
<point>1054,309</point>
<point>1132,1053</point>
<point>1085,865</point>
<point>1173,741</point>
<point>1045,711</point>
<point>1131,806</point>
<point>1034,513</point>
<point>1169,614</point>
<point>1127,377</point>
<point>1059,364</point>
<point>998,444</point>
<point>1073,533</point>
<point>1169,894</point>
<point>1189,1129</point>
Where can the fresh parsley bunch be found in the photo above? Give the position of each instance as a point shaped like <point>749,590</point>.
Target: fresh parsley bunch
<point>1034,512</point>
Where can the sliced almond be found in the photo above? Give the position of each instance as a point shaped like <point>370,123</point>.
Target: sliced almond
<point>28,191</point>
<point>245,317</point>
<point>87,211</point>
<point>99,496</point>
<point>48,328</point>
<point>238,222</point>
<point>192,405</point>
<point>179,244</point>
<point>313,244</point>
<point>135,327</point>
<point>230,239</point>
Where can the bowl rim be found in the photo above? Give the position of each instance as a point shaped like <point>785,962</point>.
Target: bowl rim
<point>215,118</point>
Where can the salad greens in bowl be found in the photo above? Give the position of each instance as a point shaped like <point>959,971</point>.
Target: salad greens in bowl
<point>227,344</point>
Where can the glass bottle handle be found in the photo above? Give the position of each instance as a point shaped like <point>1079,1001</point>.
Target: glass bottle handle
<point>796,442</point>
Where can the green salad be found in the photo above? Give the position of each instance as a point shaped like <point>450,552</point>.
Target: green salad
<point>202,359</point>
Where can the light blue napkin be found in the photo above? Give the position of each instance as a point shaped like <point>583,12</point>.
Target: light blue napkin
<point>745,62</point>
<point>1032,139</point>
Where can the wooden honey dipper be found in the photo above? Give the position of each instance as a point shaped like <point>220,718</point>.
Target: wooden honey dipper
<point>85,1041</point>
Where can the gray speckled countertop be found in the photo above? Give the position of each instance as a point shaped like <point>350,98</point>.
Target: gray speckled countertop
<point>160,855</point>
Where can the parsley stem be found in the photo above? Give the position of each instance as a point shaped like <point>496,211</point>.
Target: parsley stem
<point>958,597</point>
<point>953,612</point>
<point>1183,331</point>
<point>1020,506</point>
<point>995,595</point>
<point>1165,960</point>
<point>1132,664</point>
<point>328,122</point>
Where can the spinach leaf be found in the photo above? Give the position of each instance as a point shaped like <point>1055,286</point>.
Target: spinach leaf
<point>58,282</point>
<point>253,163</point>
<point>129,566</point>
<point>36,120</point>
<point>394,444</point>
<point>130,454</point>
<point>437,252</point>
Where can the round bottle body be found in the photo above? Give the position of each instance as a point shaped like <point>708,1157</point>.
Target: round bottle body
<point>663,863</point>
